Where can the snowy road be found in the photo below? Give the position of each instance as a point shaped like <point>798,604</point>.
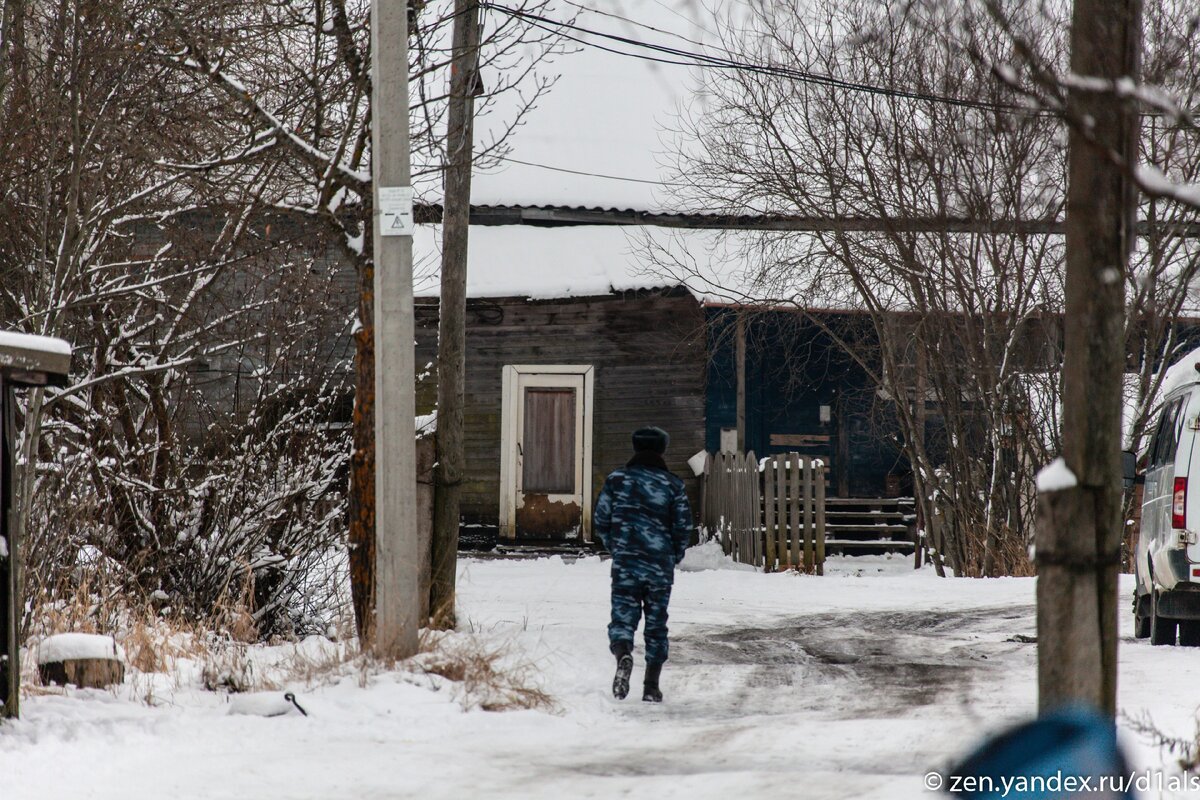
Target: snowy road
<point>849,685</point>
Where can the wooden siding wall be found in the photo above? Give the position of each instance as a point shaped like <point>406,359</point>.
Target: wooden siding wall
<point>649,356</point>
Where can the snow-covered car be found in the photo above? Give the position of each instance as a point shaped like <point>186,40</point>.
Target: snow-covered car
<point>1167,557</point>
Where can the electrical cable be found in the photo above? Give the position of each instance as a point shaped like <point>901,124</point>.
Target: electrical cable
<point>678,57</point>
<point>588,174</point>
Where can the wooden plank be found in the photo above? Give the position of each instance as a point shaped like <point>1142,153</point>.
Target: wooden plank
<point>795,469</point>
<point>718,504</point>
<point>732,503</point>
<point>768,477</point>
<point>714,482</point>
<point>819,508</point>
<point>738,513</point>
<point>798,440</point>
<point>736,507</point>
<point>753,512</point>
<point>730,489</point>
<point>809,552</point>
<point>781,509</point>
<point>749,510</point>
<point>870,543</point>
<point>549,446</point>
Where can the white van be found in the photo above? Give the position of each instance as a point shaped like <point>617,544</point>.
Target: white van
<point>1166,602</point>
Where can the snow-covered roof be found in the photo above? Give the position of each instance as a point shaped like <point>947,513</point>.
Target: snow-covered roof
<point>39,344</point>
<point>34,360</point>
<point>717,267</point>
<point>576,261</point>
<point>600,138</point>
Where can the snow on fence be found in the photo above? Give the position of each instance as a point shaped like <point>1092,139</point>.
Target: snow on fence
<point>771,515</point>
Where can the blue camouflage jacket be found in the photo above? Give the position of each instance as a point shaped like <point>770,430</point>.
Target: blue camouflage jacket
<point>643,516</point>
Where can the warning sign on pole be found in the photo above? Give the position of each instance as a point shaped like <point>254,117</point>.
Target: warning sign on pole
<point>396,210</point>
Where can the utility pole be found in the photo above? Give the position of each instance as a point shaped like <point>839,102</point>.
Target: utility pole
<point>452,309</point>
<point>397,582</point>
<point>1079,527</point>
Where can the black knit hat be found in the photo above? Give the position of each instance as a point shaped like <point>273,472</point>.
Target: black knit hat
<point>651,438</point>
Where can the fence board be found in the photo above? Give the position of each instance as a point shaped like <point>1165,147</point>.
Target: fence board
<point>796,469</point>
<point>774,519</point>
<point>753,520</point>
<point>781,521</point>
<point>811,476</point>
<point>819,509</point>
<point>771,534</point>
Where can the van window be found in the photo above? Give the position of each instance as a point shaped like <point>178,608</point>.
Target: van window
<point>1166,438</point>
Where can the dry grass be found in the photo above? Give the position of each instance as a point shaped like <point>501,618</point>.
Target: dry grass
<point>1185,749</point>
<point>219,653</point>
<point>488,676</point>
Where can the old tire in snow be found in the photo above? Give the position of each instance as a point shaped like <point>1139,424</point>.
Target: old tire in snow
<point>1162,630</point>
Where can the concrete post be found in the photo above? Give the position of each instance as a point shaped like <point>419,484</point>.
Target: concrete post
<point>397,575</point>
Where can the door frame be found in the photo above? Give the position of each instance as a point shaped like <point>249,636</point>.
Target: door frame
<point>511,419</point>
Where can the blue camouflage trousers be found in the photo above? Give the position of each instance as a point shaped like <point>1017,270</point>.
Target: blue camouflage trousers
<point>636,590</point>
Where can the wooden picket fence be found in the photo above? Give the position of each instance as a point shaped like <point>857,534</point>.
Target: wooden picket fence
<point>794,512</point>
<point>772,517</point>
<point>732,509</point>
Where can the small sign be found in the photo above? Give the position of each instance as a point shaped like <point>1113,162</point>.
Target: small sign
<point>396,211</point>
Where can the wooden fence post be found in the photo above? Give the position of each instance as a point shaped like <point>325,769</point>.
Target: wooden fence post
<point>753,513</point>
<point>769,527</point>
<point>811,474</point>
<point>819,503</point>
<point>781,510</point>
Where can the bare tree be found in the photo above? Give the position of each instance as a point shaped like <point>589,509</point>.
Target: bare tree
<point>937,169</point>
<point>298,76</point>
<point>112,240</point>
<point>923,196</point>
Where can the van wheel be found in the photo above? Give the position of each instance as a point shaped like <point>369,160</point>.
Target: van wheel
<point>1162,630</point>
<point>1141,616</point>
<point>1189,633</point>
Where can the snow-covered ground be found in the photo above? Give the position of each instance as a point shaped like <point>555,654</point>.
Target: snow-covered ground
<point>849,685</point>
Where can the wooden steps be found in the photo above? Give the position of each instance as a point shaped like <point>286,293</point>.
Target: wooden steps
<point>862,525</point>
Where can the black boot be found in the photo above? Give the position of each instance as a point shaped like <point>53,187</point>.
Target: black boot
<point>624,653</point>
<point>650,691</point>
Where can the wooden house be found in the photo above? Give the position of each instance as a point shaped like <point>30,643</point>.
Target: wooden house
<point>574,341</point>
<point>554,390</point>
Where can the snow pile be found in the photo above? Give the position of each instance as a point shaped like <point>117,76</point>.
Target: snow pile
<point>76,647</point>
<point>1055,476</point>
<point>710,556</point>
<point>265,704</point>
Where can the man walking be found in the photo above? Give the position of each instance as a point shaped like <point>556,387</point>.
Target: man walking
<point>644,520</point>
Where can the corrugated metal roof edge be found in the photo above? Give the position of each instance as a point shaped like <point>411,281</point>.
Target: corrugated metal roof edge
<point>558,215</point>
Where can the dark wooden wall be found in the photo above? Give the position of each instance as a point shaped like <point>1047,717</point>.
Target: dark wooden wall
<point>648,351</point>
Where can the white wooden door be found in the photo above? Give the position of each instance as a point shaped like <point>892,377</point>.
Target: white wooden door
<point>547,417</point>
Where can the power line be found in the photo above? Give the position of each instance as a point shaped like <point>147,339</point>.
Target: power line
<point>643,25</point>
<point>588,174</point>
<point>680,57</point>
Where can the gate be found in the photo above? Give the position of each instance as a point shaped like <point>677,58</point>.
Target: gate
<point>770,515</point>
<point>732,507</point>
